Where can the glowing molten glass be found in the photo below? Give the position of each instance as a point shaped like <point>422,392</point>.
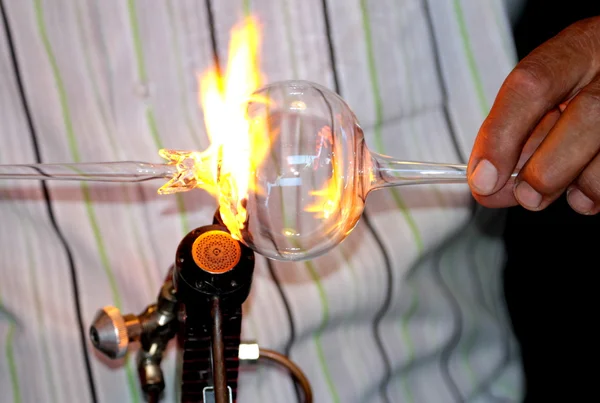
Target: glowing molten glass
<point>327,199</point>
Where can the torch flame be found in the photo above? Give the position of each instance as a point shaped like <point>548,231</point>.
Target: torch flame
<point>238,146</point>
<point>327,199</point>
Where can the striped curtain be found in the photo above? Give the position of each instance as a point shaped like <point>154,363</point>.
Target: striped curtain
<point>408,309</point>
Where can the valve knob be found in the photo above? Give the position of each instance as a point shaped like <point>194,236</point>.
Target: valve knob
<point>109,332</point>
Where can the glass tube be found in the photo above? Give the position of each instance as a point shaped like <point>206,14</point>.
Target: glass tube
<point>303,198</point>
<point>126,171</point>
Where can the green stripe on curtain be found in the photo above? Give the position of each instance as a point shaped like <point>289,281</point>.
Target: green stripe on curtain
<point>141,251</point>
<point>379,120</point>
<point>39,309</point>
<point>131,380</point>
<point>317,335</point>
<point>407,340</point>
<point>9,347</point>
<point>10,358</point>
<point>464,34</point>
<point>150,118</point>
<point>181,75</point>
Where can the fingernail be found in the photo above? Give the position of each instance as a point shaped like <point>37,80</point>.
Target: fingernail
<point>527,196</point>
<point>579,201</point>
<point>484,177</point>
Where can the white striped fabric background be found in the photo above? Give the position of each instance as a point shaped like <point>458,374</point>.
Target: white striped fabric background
<point>408,309</point>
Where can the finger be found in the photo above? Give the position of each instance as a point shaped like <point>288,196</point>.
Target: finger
<point>584,194</point>
<point>539,134</point>
<point>565,152</point>
<point>505,197</point>
<point>551,74</point>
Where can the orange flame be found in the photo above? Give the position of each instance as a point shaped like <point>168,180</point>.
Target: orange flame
<point>327,199</point>
<point>238,146</point>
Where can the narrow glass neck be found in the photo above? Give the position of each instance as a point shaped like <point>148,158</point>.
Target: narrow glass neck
<point>119,171</point>
<point>386,172</point>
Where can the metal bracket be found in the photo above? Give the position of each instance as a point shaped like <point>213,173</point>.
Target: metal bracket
<point>208,394</point>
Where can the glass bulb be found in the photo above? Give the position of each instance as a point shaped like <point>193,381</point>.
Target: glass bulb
<point>310,190</point>
<point>300,199</point>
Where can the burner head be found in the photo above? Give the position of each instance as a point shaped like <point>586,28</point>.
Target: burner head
<point>209,262</point>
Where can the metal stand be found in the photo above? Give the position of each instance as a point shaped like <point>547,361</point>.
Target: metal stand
<point>201,302</point>
<point>213,276</point>
<point>218,353</point>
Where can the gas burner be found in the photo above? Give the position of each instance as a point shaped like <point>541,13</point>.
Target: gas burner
<point>200,302</point>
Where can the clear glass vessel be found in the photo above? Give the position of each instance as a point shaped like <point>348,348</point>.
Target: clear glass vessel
<point>303,198</point>
<point>311,190</point>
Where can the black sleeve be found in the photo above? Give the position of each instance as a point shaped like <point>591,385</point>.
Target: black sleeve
<point>553,257</point>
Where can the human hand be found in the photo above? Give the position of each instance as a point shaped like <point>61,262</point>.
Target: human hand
<point>545,124</point>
